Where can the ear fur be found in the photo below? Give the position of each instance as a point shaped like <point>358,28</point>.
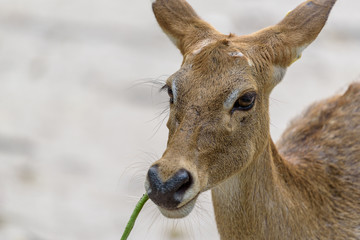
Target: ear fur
<point>181,23</point>
<point>283,43</point>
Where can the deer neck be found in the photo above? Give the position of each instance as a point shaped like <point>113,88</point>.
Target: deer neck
<point>255,203</point>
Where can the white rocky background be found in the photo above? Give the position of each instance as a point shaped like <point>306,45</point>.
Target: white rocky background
<point>79,125</point>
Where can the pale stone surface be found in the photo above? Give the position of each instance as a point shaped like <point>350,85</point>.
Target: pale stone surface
<point>77,133</point>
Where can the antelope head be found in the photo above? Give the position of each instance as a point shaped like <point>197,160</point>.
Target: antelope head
<point>219,98</point>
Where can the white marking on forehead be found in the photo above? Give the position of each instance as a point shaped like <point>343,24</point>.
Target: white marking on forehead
<point>251,64</point>
<point>229,102</point>
<point>201,45</point>
<point>236,54</point>
<point>240,54</point>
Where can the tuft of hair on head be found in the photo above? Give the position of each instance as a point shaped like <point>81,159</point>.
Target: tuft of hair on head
<point>225,42</point>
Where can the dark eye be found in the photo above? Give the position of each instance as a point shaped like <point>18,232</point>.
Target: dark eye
<point>170,93</point>
<point>245,102</point>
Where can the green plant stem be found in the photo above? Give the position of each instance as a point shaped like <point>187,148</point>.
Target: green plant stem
<point>134,215</point>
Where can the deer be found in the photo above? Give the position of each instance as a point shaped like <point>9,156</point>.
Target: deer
<point>307,185</point>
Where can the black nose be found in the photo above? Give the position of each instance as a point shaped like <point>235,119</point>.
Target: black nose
<point>170,193</point>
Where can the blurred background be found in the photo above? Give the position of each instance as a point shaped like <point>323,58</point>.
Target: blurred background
<point>81,117</point>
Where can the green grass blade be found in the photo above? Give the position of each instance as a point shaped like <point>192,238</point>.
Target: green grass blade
<point>134,215</point>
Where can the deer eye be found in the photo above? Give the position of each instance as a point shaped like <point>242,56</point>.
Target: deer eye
<point>171,95</point>
<point>169,91</point>
<point>245,102</point>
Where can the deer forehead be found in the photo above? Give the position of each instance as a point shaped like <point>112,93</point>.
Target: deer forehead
<point>202,46</point>
<point>212,70</point>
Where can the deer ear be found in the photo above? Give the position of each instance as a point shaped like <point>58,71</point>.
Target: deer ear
<point>283,43</point>
<point>181,23</point>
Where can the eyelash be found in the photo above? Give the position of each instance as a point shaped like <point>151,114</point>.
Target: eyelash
<point>169,91</point>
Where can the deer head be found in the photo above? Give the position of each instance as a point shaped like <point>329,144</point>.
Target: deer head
<point>219,98</point>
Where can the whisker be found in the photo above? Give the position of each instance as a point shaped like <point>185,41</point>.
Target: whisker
<point>149,82</point>
<point>276,100</point>
<point>157,127</point>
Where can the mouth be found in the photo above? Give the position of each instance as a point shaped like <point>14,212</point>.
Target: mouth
<point>179,212</point>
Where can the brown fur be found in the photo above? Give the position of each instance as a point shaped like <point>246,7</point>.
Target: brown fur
<point>307,189</point>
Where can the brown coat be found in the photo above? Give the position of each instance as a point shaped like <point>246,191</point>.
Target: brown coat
<point>306,187</point>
